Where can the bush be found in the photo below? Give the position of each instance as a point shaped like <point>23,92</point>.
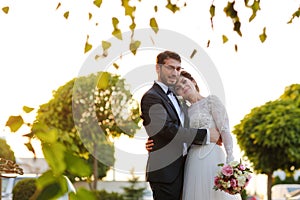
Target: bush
<point>104,195</point>
<point>24,189</point>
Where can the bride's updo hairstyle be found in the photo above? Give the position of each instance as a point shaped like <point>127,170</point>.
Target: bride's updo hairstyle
<point>189,76</point>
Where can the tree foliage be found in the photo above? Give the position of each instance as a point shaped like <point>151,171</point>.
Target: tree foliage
<point>75,126</point>
<point>269,134</point>
<point>6,152</point>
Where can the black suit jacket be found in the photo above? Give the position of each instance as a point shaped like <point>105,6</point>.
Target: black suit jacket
<point>162,124</point>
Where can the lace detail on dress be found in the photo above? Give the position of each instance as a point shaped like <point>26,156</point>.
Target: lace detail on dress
<point>211,113</point>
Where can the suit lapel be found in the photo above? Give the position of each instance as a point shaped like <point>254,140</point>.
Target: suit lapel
<point>160,91</point>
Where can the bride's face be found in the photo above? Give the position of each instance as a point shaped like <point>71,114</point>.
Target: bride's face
<point>185,88</point>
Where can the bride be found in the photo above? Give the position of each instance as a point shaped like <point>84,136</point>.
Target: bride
<point>202,160</point>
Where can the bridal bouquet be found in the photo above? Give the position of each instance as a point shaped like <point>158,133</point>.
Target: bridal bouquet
<point>232,178</point>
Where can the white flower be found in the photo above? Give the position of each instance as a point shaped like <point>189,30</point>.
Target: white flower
<point>234,163</point>
<point>241,181</point>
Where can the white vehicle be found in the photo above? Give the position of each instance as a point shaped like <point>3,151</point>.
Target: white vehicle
<point>282,191</point>
<point>9,183</point>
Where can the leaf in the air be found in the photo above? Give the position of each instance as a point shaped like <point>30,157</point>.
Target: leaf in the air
<point>105,45</point>
<point>134,45</point>
<point>58,5</point>
<point>54,155</point>
<point>212,14</point>
<point>295,14</point>
<point>5,9</point>
<point>208,43</point>
<point>27,109</point>
<point>153,25</point>
<point>30,148</point>
<point>83,194</point>
<point>263,36</point>
<point>224,38</point>
<point>172,7</point>
<point>193,53</point>
<point>255,7</point>
<point>88,46</point>
<point>103,81</point>
<point>98,3</point>
<point>237,27</point>
<point>132,25</point>
<point>116,32</point>
<point>66,15</point>
<point>236,47</point>
<point>90,16</point>
<point>155,8</point>
<point>116,65</point>
<point>74,163</point>
<point>14,123</point>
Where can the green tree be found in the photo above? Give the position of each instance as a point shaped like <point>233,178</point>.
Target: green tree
<point>75,126</point>
<point>269,135</point>
<point>133,192</point>
<point>6,152</point>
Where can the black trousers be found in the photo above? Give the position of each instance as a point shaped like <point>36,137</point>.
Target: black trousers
<point>168,191</point>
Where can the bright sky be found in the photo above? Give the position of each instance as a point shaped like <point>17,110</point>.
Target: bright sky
<point>41,50</point>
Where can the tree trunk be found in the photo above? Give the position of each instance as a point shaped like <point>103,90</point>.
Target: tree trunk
<point>95,168</point>
<point>269,185</point>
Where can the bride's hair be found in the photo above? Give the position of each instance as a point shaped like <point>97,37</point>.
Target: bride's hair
<point>189,76</point>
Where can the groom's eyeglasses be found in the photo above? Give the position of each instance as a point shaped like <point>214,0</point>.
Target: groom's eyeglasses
<point>171,68</point>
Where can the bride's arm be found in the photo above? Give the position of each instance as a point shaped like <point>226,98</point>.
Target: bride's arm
<point>220,117</point>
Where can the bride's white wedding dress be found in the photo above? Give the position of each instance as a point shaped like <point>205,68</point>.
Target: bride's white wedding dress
<point>202,160</point>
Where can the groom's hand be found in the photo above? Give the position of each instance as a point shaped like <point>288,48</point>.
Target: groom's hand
<point>214,135</point>
<point>149,144</point>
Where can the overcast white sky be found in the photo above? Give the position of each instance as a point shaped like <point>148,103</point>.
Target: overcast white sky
<point>41,51</point>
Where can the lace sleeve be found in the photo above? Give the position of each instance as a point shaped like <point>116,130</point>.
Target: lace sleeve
<point>220,117</point>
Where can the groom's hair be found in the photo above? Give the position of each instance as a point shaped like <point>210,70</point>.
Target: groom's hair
<point>160,59</point>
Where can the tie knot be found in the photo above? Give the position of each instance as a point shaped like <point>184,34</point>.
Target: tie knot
<point>169,91</point>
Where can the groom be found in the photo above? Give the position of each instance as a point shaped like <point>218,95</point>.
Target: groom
<point>165,122</point>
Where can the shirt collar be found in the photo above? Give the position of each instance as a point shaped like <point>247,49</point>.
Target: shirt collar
<point>163,86</point>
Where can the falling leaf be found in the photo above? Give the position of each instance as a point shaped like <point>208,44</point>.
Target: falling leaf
<point>132,25</point>
<point>263,36</point>
<point>5,9</point>
<point>172,7</point>
<point>90,16</point>
<point>155,8</point>
<point>208,43</point>
<point>14,123</point>
<point>98,3</point>
<point>58,5</point>
<point>116,65</point>
<point>295,14</point>
<point>105,45</point>
<point>116,32</point>
<point>193,53</point>
<point>255,7</point>
<point>212,14</point>
<point>236,47</point>
<point>134,45</point>
<point>88,46</point>
<point>30,148</point>
<point>66,14</point>
<point>153,25</point>
<point>103,81</point>
<point>224,38</point>
<point>27,109</point>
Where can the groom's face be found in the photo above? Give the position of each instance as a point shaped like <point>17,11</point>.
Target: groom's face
<point>168,73</point>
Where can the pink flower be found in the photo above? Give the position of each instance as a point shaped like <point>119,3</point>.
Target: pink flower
<point>233,183</point>
<point>227,170</point>
<point>242,167</point>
